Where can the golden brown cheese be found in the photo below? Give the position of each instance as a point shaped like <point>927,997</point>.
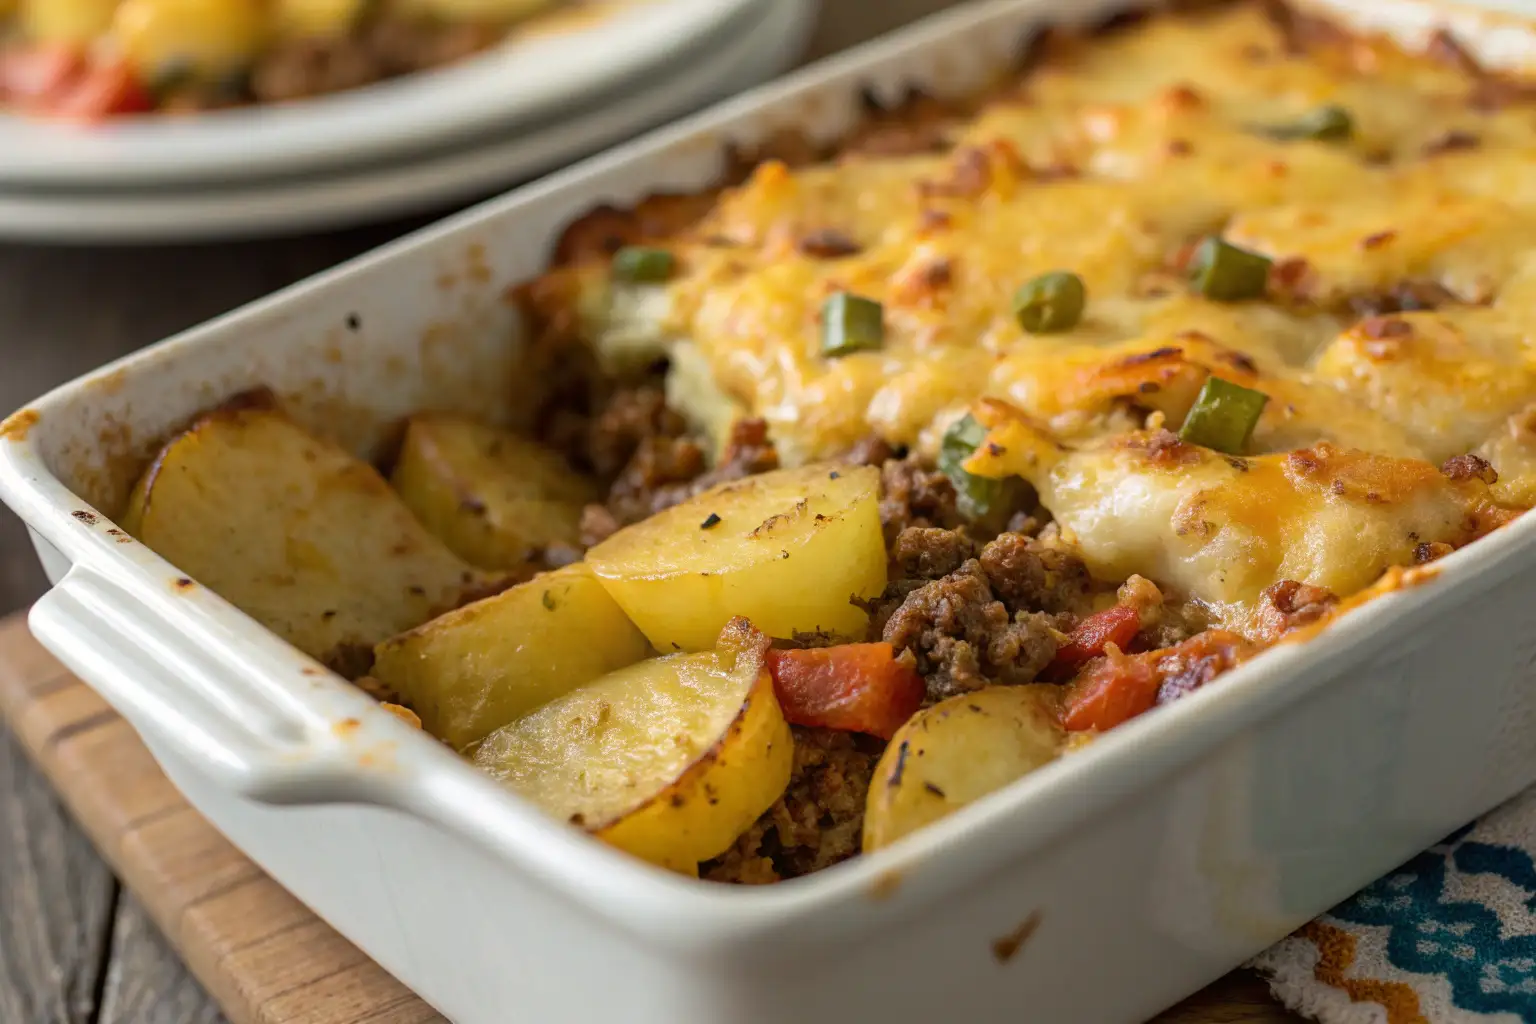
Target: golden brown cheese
<point>1222,529</point>
<point>1105,161</point>
<point>1396,333</point>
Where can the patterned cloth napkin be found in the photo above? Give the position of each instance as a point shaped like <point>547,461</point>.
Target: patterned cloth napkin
<point>1448,938</point>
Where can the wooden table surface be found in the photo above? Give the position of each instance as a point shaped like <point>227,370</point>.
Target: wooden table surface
<point>75,948</point>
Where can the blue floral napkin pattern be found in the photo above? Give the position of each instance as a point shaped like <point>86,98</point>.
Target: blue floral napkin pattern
<point>1448,938</point>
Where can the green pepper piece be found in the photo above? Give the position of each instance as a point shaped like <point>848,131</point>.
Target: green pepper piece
<point>1222,271</point>
<point>1050,303</point>
<point>1223,416</point>
<point>1331,123</point>
<point>638,265</point>
<point>979,495</point>
<point>851,323</point>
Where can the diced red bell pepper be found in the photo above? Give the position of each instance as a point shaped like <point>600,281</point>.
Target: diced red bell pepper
<point>853,687</point>
<point>1110,691</point>
<point>103,91</point>
<point>35,75</point>
<point>1118,625</point>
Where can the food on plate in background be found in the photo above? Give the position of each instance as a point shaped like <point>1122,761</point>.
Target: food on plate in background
<point>93,59</point>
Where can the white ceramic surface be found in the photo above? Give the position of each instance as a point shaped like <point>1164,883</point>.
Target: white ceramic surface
<point>1146,865</point>
<point>761,46</point>
<point>535,75</point>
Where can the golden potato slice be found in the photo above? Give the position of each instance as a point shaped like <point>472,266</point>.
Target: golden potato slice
<point>203,38</point>
<point>957,752</point>
<point>491,496</point>
<point>298,533</point>
<point>64,21</point>
<point>670,759</point>
<point>788,550</point>
<point>473,670</point>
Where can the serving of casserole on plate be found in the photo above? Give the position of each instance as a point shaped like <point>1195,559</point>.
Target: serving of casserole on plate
<point>91,59</point>
<point>1057,471</point>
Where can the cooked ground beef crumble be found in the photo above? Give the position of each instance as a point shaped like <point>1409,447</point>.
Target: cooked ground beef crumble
<point>968,607</point>
<point>816,823</point>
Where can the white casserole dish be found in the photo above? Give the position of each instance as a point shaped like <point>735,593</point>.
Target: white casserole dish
<point>1101,888</point>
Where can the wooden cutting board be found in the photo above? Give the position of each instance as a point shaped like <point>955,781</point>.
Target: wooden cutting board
<point>260,953</point>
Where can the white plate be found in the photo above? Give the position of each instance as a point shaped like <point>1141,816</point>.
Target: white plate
<point>529,77</point>
<point>774,39</point>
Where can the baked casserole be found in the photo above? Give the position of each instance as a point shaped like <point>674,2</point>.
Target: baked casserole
<point>93,59</point>
<point>878,479</point>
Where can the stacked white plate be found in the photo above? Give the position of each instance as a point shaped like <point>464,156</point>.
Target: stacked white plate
<point>409,145</point>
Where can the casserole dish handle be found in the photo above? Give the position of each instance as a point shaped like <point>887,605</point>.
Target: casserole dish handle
<point>200,699</point>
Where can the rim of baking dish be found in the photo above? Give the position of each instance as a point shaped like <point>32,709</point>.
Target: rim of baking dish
<point>399,767</point>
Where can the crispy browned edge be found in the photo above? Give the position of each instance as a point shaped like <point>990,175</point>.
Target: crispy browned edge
<point>549,303</point>
<point>258,398</point>
<point>744,640</point>
<point>599,232</point>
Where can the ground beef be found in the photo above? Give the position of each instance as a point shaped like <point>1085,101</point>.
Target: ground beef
<point>1027,575</point>
<point>964,638</point>
<point>380,49</point>
<point>1288,605</point>
<point>816,823</point>
<point>912,494</point>
<point>631,417</point>
<point>747,452</point>
<point>657,476</point>
<point>311,67</point>
<point>928,553</point>
<point>918,556</point>
<point>666,471</point>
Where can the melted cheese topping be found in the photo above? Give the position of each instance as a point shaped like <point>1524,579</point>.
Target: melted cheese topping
<point>1109,160</point>
<point>1222,529</point>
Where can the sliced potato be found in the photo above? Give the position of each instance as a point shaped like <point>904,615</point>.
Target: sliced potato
<point>297,532</point>
<point>787,550</point>
<point>957,752</point>
<point>473,670</point>
<point>64,21</point>
<point>670,759</point>
<point>491,496</point>
<point>207,39</point>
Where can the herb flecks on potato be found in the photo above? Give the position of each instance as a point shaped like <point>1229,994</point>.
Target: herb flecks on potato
<point>787,549</point>
<point>471,671</point>
<point>295,531</point>
<point>493,497</point>
<point>670,759</point>
<point>957,752</point>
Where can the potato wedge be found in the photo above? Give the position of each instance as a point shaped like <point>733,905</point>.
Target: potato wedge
<point>787,550</point>
<point>670,759</point>
<point>203,38</point>
<point>471,671</point>
<point>64,21</point>
<point>491,496</point>
<point>298,533</point>
<point>957,752</point>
